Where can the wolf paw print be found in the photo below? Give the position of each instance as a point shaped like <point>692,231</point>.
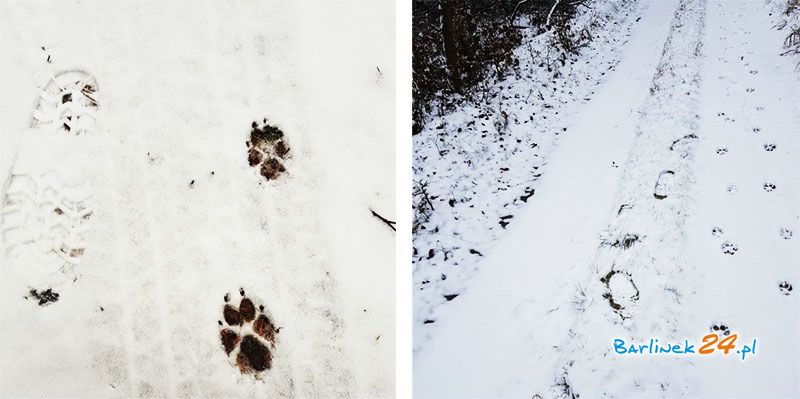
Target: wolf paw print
<point>249,336</point>
<point>785,288</point>
<point>267,150</point>
<point>769,186</point>
<point>720,329</point>
<point>785,233</point>
<point>729,248</point>
<point>769,147</point>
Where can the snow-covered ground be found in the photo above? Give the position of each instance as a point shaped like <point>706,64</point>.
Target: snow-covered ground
<point>482,162</point>
<point>158,203</point>
<point>669,209</point>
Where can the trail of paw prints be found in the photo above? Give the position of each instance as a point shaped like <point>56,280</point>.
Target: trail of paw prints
<point>249,337</point>
<point>267,150</point>
<point>769,187</point>
<point>785,233</point>
<point>785,288</point>
<point>729,248</point>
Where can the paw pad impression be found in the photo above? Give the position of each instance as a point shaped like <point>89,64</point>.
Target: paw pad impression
<point>267,150</point>
<point>248,335</point>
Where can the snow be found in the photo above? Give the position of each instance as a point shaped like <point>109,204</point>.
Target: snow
<point>480,167</point>
<point>607,226</point>
<point>178,217</point>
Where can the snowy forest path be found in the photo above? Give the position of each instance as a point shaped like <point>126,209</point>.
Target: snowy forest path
<point>618,240</point>
<point>540,260</point>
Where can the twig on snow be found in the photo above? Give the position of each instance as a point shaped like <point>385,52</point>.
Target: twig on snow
<point>384,220</point>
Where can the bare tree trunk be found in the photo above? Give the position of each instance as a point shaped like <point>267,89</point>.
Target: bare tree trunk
<point>450,33</point>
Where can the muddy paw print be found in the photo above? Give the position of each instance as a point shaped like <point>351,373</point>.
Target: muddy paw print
<point>720,328</point>
<point>249,335</point>
<point>729,248</point>
<point>786,233</point>
<point>785,288</point>
<point>722,151</point>
<point>716,232</point>
<point>769,186</point>
<point>267,150</point>
<point>769,147</point>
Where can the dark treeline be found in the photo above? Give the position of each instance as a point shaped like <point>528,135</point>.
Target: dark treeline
<point>792,42</point>
<point>458,43</point>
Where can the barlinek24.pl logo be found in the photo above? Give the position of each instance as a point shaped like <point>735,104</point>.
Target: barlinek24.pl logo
<point>711,343</point>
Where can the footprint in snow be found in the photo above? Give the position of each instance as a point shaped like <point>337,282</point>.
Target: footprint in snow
<point>663,184</point>
<point>267,150</point>
<point>722,151</point>
<point>720,328</point>
<point>785,287</point>
<point>716,232</point>
<point>785,233</point>
<point>249,335</point>
<point>732,189</point>
<point>769,186</point>
<point>729,248</point>
<point>769,147</point>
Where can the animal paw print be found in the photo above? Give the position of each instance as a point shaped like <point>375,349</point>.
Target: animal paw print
<point>267,150</point>
<point>716,232</point>
<point>725,117</point>
<point>729,248</point>
<point>249,335</point>
<point>785,288</point>
<point>722,151</point>
<point>769,147</point>
<point>720,329</point>
<point>756,130</point>
<point>750,90</point>
<point>732,189</point>
<point>785,233</point>
<point>768,186</point>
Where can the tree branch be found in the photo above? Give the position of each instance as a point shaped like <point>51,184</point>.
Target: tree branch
<point>384,220</point>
